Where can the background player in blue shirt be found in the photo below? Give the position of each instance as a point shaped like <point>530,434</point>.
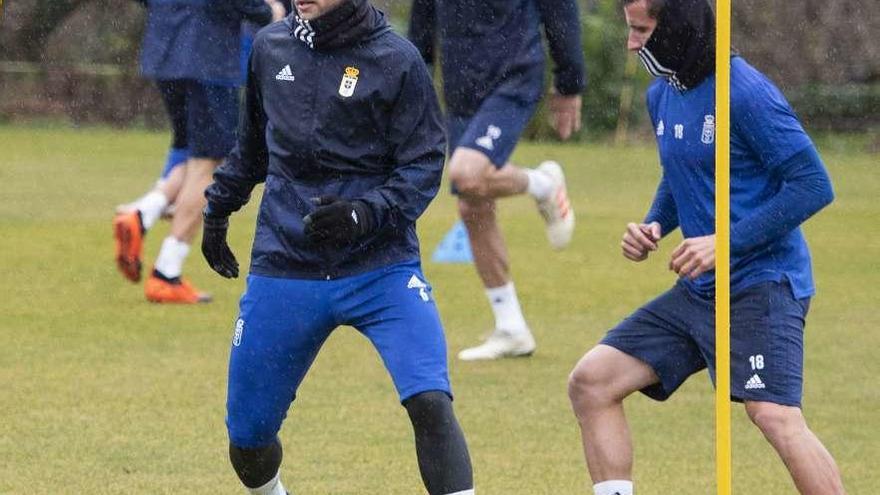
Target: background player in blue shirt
<point>493,78</point>
<point>777,182</point>
<point>342,124</point>
<point>191,50</point>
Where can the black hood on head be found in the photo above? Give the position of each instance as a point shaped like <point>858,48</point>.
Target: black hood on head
<point>682,46</point>
<point>348,23</point>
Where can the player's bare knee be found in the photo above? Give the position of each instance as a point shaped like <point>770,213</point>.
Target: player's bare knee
<point>588,387</point>
<point>469,172</point>
<point>776,422</point>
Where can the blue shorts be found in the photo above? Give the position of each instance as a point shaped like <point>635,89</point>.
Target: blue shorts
<point>204,116</point>
<point>494,129</point>
<point>675,335</point>
<point>283,323</point>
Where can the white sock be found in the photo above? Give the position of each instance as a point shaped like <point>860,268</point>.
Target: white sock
<point>171,256</point>
<point>505,305</point>
<point>614,487</point>
<point>151,205</point>
<point>540,184</point>
<point>464,492</point>
<point>273,487</point>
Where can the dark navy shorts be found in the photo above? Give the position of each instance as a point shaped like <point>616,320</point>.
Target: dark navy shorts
<point>494,129</point>
<point>675,335</point>
<point>283,323</point>
<point>204,116</point>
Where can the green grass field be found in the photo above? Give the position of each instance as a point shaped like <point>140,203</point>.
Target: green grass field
<point>104,393</point>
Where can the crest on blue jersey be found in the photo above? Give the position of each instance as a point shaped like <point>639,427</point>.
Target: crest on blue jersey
<point>708,136</point>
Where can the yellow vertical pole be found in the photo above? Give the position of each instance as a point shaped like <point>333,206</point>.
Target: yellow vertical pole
<point>722,248</point>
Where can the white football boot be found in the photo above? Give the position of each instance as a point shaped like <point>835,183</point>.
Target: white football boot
<point>556,208</point>
<point>501,344</point>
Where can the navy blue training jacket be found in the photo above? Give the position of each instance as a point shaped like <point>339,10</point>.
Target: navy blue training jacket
<point>494,46</point>
<point>197,39</point>
<point>384,144</point>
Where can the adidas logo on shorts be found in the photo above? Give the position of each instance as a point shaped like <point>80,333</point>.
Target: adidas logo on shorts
<point>755,382</point>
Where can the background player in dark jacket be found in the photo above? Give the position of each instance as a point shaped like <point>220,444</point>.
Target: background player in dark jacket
<point>190,49</point>
<point>493,74</point>
<point>777,181</point>
<point>342,124</point>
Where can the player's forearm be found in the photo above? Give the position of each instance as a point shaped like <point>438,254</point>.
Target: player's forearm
<point>562,26</point>
<point>806,190</point>
<point>407,193</point>
<point>663,209</point>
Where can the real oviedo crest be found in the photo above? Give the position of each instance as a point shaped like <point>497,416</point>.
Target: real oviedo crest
<point>708,136</point>
<point>349,81</point>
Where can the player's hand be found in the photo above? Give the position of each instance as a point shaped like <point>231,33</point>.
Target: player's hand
<point>214,246</point>
<point>694,257</point>
<point>278,11</point>
<point>566,114</point>
<point>640,239</point>
<point>337,221</point>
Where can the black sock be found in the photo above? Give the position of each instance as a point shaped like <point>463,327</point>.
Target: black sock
<point>256,467</point>
<point>443,456</point>
<point>161,276</point>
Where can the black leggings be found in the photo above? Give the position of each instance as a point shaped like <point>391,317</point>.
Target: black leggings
<point>443,456</point>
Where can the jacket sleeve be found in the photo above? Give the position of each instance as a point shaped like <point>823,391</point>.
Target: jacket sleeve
<point>663,209</point>
<point>422,28</point>
<point>246,165</point>
<point>419,147</point>
<point>255,11</point>
<point>806,189</point>
<point>562,25</point>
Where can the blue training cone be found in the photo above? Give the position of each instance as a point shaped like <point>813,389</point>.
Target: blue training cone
<point>454,248</point>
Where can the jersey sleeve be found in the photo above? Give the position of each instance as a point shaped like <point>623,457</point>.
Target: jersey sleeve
<point>763,120</point>
<point>256,11</point>
<point>806,189</point>
<point>562,25</point>
<point>419,145</point>
<point>247,164</point>
<point>423,28</point>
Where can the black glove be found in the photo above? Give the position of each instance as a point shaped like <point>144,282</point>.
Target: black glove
<point>337,222</point>
<point>214,246</point>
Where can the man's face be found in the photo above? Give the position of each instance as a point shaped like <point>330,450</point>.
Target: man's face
<point>641,24</point>
<point>312,9</point>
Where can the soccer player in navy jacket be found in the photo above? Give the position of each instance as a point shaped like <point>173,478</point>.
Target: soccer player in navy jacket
<point>342,124</point>
<point>777,181</point>
<point>493,79</point>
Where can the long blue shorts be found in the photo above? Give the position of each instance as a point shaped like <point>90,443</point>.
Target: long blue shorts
<point>283,323</point>
<point>494,129</point>
<point>675,335</point>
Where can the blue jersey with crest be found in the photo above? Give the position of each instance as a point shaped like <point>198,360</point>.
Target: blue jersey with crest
<point>765,135</point>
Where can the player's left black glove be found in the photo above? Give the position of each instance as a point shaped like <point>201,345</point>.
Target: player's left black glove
<point>337,222</point>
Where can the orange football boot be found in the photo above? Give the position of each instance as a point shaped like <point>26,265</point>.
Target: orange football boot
<point>158,290</point>
<point>129,244</point>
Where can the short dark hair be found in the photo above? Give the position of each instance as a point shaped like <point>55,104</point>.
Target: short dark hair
<point>654,6</point>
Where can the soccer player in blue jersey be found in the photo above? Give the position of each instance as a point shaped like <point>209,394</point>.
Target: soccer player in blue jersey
<point>493,78</point>
<point>342,124</point>
<point>777,182</point>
